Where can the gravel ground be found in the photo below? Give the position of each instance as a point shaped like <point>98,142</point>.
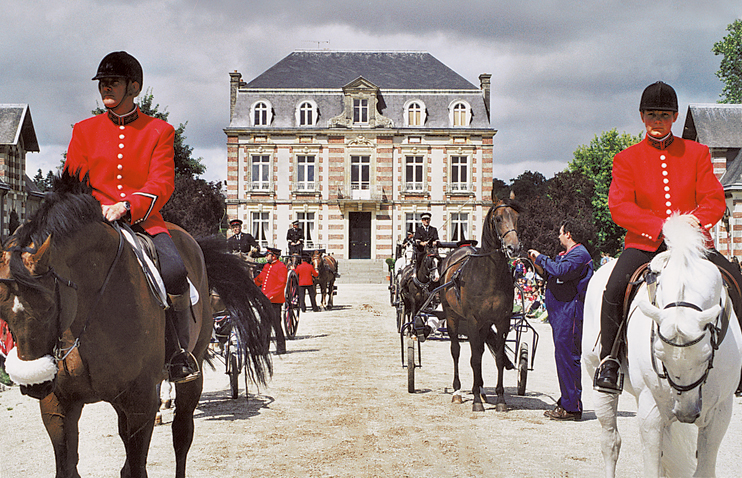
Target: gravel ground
<point>338,406</point>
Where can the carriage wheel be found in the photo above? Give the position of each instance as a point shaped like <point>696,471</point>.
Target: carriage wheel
<point>522,368</point>
<point>290,321</point>
<point>400,317</point>
<point>233,370</point>
<point>411,364</point>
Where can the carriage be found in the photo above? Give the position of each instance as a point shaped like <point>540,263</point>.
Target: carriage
<point>226,346</point>
<point>521,342</point>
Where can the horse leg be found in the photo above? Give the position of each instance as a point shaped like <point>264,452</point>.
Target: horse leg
<point>476,342</point>
<point>606,409</point>
<point>186,400</point>
<point>330,292</point>
<point>136,420</point>
<point>502,362</point>
<point>651,431</point>
<point>455,352</point>
<point>710,436</point>
<point>61,423</point>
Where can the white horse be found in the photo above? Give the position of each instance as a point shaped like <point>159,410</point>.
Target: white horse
<point>683,363</point>
<point>404,259</point>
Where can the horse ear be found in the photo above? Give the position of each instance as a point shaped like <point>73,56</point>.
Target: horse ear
<point>495,200</point>
<point>40,258</point>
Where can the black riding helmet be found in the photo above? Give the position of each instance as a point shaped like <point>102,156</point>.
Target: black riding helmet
<point>120,64</point>
<point>659,96</point>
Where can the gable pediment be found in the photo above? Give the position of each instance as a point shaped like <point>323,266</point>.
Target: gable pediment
<point>360,84</point>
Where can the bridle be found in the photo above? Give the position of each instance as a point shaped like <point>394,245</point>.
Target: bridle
<point>716,337</point>
<point>60,353</point>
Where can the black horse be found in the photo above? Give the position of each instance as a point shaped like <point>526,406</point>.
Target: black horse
<point>418,280</point>
<point>481,295</point>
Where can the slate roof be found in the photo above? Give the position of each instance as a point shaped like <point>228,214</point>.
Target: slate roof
<point>732,177</point>
<point>715,125</point>
<point>15,122</point>
<point>335,69</point>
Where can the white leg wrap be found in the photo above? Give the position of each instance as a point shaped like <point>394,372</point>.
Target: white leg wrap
<point>30,372</point>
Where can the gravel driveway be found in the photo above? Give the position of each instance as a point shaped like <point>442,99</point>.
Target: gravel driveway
<point>338,406</point>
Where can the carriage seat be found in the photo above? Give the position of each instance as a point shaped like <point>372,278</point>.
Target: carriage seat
<point>456,245</point>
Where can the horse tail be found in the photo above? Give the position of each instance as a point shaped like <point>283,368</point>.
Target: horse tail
<point>249,309</point>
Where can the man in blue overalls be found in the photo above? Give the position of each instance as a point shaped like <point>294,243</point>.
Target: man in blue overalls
<point>566,283</point>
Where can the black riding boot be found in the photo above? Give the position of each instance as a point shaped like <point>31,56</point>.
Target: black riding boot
<point>607,375</point>
<point>182,366</point>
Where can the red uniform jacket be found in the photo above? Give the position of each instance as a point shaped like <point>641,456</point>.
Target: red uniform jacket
<point>132,162</point>
<point>306,271</point>
<point>651,184</point>
<point>272,281</point>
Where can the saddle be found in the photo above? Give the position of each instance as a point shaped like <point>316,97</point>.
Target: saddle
<point>644,275</point>
<point>144,249</point>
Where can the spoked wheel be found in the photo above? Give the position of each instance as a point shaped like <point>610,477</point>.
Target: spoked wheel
<point>292,308</point>
<point>411,342</point>
<point>522,368</point>
<point>233,369</point>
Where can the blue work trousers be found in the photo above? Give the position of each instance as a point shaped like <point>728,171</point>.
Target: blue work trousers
<point>566,327</point>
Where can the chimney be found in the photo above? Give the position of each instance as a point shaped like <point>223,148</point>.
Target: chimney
<point>234,84</point>
<point>484,85</point>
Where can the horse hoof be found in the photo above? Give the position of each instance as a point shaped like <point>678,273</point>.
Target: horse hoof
<point>456,399</point>
<point>501,407</point>
<point>477,407</point>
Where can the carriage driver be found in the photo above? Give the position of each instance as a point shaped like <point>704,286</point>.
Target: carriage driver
<point>660,176</point>
<point>241,241</point>
<point>424,235</point>
<point>129,158</point>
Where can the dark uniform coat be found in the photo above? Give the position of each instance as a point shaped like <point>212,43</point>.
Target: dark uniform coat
<point>295,235</point>
<point>242,242</point>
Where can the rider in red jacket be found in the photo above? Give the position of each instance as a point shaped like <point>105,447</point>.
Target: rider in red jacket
<point>129,159</point>
<point>307,273</point>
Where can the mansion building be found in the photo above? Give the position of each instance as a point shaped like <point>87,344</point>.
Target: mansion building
<point>356,146</point>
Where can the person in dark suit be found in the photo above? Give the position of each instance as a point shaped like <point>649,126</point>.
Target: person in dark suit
<point>425,234</point>
<point>239,241</point>
<point>295,236</point>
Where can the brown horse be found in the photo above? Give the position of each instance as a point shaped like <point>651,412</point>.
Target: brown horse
<point>418,280</point>
<point>88,328</point>
<point>327,267</point>
<point>481,295</point>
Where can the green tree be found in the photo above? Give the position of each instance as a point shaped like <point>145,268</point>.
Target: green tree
<point>730,68</point>
<point>595,161</point>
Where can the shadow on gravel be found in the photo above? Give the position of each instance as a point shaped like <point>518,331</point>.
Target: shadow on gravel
<point>218,406</point>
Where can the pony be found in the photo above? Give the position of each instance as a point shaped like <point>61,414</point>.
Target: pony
<point>481,296</point>
<point>418,280</point>
<point>88,328</point>
<point>684,353</point>
<point>327,267</point>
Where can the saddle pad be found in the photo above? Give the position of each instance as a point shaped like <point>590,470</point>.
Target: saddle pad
<point>154,279</point>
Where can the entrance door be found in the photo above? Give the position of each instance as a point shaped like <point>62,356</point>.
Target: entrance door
<point>360,235</point>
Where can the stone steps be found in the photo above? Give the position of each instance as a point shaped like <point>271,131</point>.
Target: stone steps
<point>362,271</point>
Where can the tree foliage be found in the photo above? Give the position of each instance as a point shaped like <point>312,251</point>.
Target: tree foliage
<point>595,161</point>
<point>730,68</point>
<point>43,183</point>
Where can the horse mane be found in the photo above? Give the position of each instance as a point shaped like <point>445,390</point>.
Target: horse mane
<point>68,207</point>
<point>65,210</point>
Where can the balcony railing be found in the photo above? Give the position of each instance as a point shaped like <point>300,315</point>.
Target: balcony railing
<point>459,187</point>
<point>361,192</point>
<point>305,187</point>
<point>414,187</point>
<point>260,186</point>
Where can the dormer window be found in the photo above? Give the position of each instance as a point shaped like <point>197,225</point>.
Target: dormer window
<point>460,114</point>
<point>306,114</point>
<point>415,113</point>
<point>360,111</point>
<point>261,114</point>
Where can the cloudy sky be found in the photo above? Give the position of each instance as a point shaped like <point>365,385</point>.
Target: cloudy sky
<point>562,71</point>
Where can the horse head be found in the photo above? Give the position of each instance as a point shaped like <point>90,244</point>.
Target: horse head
<point>686,307</point>
<point>501,226</point>
<point>29,306</point>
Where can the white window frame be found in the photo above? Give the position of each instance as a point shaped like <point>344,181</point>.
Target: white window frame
<point>414,164</point>
<point>361,161</point>
<point>264,165</point>
<point>412,221</point>
<point>420,110</point>
<point>302,166</point>
<point>459,229</point>
<point>260,227</point>
<point>307,221</point>
<point>459,111</point>
<point>455,181</point>
<point>307,107</point>
<point>361,111</point>
<point>264,107</point>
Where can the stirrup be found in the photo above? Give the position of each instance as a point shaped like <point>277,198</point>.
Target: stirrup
<point>189,363</point>
<point>620,377</point>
